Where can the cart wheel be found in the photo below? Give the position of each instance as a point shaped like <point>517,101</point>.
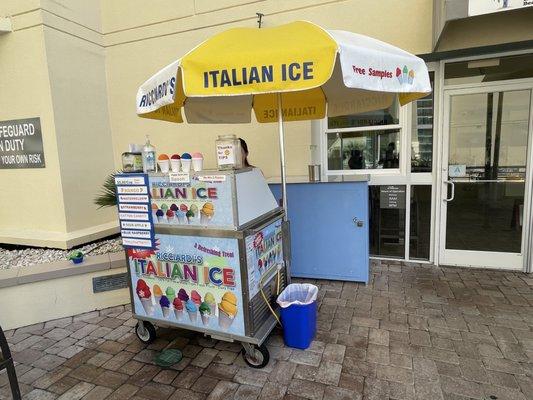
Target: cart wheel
<point>145,331</point>
<point>259,358</point>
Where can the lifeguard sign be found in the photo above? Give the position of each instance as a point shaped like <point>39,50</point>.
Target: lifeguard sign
<point>21,144</point>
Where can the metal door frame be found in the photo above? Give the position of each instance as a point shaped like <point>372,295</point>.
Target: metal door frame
<point>497,260</point>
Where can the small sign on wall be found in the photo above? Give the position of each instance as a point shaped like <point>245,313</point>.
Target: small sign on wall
<point>21,144</point>
<point>457,171</point>
<point>392,196</point>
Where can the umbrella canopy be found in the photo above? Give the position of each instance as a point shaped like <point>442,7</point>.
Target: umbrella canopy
<point>318,72</point>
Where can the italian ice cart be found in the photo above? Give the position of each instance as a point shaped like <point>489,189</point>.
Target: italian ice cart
<point>206,251</point>
<point>238,261</point>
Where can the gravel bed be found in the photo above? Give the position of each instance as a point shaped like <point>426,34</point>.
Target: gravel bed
<point>26,256</point>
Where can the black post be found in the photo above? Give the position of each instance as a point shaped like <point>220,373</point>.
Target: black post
<point>488,136</point>
<point>497,138</point>
<point>7,362</point>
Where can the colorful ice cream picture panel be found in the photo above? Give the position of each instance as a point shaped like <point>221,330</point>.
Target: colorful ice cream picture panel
<point>264,251</point>
<point>201,202</point>
<point>189,280</point>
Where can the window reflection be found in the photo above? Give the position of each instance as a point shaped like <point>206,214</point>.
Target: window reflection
<point>489,70</point>
<point>387,224</point>
<point>387,116</point>
<point>422,133</point>
<point>364,150</point>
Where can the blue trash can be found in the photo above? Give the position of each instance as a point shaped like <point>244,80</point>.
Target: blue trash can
<point>298,314</point>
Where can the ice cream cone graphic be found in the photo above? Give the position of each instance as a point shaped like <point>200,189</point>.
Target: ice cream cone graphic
<point>210,300</point>
<point>178,314</point>
<point>157,293</point>
<point>180,217</point>
<point>154,212</point>
<point>175,163</point>
<point>170,293</point>
<point>163,161</point>
<point>170,215</point>
<point>178,308</point>
<point>165,306</point>
<point>399,75</point>
<point>183,213</point>
<point>145,296</point>
<point>175,210</point>
<point>227,310</point>
<point>190,216</point>
<point>205,313</point>
<point>186,160</point>
<point>207,213</point>
<point>147,306</point>
<point>411,76</point>
<point>193,316</point>
<point>192,310</point>
<point>405,74</point>
<point>194,210</point>
<point>224,320</point>
<point>197,161</point>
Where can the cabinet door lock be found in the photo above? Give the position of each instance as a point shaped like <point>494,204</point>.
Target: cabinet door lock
<point>358,222</point>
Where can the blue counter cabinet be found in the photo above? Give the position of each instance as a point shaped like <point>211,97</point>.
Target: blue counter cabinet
<point>329,229</point>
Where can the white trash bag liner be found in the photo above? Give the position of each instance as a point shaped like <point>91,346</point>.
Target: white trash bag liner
<point>298,293</point>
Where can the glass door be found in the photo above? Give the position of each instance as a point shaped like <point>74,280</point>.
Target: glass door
<point>484,177</point>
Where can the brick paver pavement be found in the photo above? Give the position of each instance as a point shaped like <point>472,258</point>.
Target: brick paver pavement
<point>415,332</point>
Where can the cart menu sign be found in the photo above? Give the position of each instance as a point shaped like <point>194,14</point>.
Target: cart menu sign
<point>134,214</point>
<point>21,144</point>
<point>190,281</point>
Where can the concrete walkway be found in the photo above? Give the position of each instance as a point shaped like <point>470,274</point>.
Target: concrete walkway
<point>415,332</point>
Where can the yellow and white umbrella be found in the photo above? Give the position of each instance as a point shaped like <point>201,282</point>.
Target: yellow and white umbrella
<point>299,70</point>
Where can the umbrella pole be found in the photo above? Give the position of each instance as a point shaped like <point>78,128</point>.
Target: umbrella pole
<point>282,156</point>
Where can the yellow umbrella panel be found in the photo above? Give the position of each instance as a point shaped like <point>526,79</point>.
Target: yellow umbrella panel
<point>222,79</point>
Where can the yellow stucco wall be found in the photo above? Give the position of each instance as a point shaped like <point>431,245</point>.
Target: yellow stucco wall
<point>32,199</point>
<point>79,96</point>
<point>77,65</point>
<point>53,64</point>
<point>57,298</point>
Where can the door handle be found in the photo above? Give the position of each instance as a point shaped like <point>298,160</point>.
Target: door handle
<point>453,190</point>
<point>358,222</point>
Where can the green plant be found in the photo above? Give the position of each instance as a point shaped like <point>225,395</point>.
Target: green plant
<point>75,254</point>
<point>108,194</point>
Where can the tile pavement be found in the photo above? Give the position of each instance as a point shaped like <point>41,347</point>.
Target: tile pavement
<point>415,332</point>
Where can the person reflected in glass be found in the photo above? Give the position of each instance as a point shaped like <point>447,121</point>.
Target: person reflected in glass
<point>391,158</point>
<point>356,160</point>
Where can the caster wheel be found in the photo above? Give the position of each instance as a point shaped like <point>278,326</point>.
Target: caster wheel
<point>260,356</point>
<point>145,331</point>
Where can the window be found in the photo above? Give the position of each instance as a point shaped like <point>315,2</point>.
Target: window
<point>387,220</point>
<point>422,132</point>
<point>420,222</point>
<point>386,116</point>
<point>365,141</point>
<point>363,150</point>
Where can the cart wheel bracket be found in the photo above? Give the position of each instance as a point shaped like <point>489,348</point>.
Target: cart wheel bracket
<point>255,356</point>
<point>145,331</point>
